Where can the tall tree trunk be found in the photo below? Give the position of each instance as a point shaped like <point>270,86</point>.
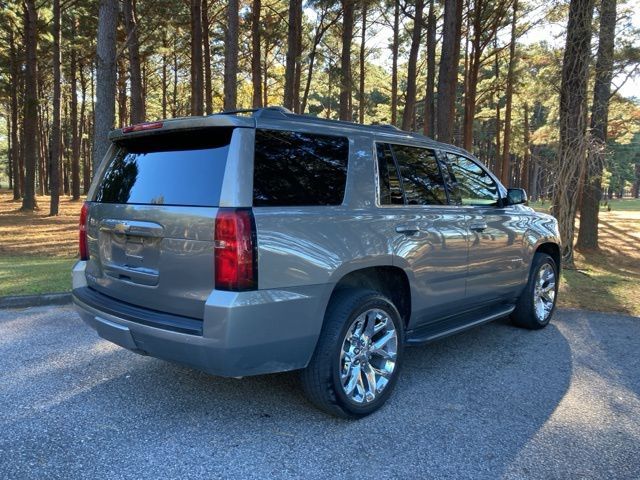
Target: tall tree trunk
<point>345,60</point>
<point>197,107</point>
<point>496,74</point>
<point>208,88</point>
<point>122,92</point>
<point>66,155</point>
<point>15,144</point>
<point>105,78</point>
<point>448,75</point>
<point>408,115</point>
<point>75,138</point>
<point>43,148</point>
<point>30,105</point>
<point>534,182</point>
<point>54,167</point>
<point>329,90</point>
<point>592,189</point>
<point>91,126</point>
<point>526,159</point>
<point>231,57</point>
<point>165,77</point>
<point>505,175</point>
<point>293,53</point>
<point>363,37</point>
<point>21,160</point>
<point>86,172</point>
<point>256,70</point>
<point>472,76</point>
<point>394,62</point>
<point>573,122</point>
<point>265,73</point>
<point>137,110</point>
<point>297,78</point>
<point>430,103</point>
<point>174,95</point>
<point>145,80</point>
<point>9,148</point>
<point>465,68</point>
<point>321,29</point>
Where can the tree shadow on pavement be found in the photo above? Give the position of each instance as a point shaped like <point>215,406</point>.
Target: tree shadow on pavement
<point>464,407</point>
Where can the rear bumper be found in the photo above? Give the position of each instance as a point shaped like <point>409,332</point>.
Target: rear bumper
<point>242,333</point>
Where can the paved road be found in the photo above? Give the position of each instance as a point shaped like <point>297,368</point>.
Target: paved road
<point>490,403</point>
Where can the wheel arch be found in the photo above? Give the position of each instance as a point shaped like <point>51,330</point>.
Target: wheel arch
<point>391,281</point>
<point>553,250</point>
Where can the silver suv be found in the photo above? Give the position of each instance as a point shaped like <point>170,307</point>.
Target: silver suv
<point>254,242</point>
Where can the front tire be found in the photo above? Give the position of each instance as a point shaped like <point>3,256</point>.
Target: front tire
<point>537,302</point>
<point>357,359</point>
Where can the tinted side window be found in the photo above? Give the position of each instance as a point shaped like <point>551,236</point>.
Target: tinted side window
<point>299,169</point>
<point>421,176</point>
<point>471,185</point>
<point>390,188</point>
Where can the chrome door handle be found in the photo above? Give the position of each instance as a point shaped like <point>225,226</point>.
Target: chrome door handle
<point>408,229</point>
<point>477,226</point>
<point>130,227</point>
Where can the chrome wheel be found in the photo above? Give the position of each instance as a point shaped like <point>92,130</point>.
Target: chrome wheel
<point>368,356</point>
<point>544,294</point>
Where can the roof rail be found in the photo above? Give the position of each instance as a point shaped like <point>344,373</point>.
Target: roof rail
<point>235,112</point>
<point>282,112</point>
<point>387,126</point>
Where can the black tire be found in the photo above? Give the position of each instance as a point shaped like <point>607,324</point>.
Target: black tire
<point>525,313</point>
<point>321,379</point>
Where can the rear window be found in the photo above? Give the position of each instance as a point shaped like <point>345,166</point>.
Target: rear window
<point>299,169</point>
<point>183,168</point>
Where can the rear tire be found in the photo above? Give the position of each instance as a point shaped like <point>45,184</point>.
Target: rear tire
<point>536,304</point>
<point>357,359</point>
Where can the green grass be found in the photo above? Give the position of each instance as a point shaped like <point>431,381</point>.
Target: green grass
<point>34,275</point>
<point>625,205</point>
<point>592,288</point>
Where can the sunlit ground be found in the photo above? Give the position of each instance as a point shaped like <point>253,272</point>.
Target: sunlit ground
<point>607,280</point>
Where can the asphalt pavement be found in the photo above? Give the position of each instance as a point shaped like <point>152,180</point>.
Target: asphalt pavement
<point>494,402</point>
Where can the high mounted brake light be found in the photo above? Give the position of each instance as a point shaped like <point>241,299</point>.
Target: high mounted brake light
<point>142,126</point>
<point>235,255</point>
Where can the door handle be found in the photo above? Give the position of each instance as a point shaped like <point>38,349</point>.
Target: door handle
<point>477,226</point>
<point>129,227</point>
<point>408,229</point>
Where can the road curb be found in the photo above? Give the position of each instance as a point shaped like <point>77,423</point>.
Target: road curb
<point>24,301</point>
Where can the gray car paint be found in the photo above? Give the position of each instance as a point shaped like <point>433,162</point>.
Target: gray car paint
<point>303,252</point>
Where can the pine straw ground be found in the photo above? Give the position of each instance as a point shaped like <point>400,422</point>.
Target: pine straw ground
<point>38,251</point>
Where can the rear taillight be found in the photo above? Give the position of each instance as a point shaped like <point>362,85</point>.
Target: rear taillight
<point>84,250</point>
<point>235,250</point>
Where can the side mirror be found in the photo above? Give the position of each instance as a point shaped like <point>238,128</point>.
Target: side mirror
<point>516,196</point>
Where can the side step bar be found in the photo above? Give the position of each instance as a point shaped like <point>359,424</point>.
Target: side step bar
<point>457,324</point>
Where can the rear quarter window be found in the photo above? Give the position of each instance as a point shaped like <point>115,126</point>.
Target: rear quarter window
<point>299,169</point>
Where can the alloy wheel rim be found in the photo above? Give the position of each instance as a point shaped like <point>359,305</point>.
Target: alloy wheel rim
<point>544,294</point>
<point>368,356</point>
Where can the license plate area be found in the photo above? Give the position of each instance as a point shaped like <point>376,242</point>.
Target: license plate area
<point>131,257</point>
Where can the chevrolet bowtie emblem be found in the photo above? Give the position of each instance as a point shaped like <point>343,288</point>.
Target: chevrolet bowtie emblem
<point>122,227</point>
